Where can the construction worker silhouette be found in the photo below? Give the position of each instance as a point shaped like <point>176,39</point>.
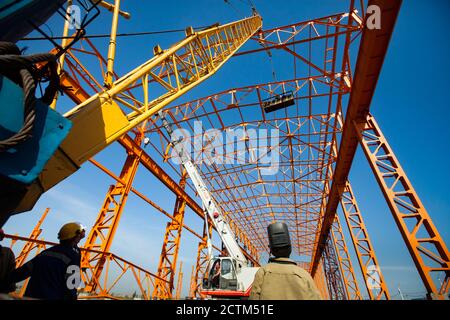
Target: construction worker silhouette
<point>281,278</point>
<point>7,266</point>
<point>55,272</point>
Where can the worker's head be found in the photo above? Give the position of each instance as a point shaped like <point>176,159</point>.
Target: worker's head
<point>2,234</point>
<point>71,233</point>
<point>279,240</point>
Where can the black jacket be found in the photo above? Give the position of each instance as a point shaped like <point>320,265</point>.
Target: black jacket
<point>50,272</point>
<point>7,266</point>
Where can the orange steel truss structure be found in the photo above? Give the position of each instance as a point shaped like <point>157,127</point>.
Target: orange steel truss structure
<point>313,159</point>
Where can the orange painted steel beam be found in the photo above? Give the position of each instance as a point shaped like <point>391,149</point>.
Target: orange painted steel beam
<point>102,233</point>
<point>143,197</point>
<point>345,262</point>
<point>372,50</point>
<point>170,248</point>
<point>284,36</point>
<point>142,276</point>
<point>368,262</point>
<point>427,248</point>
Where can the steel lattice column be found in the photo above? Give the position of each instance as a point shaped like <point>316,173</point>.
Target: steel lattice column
<point>371,271</point>
<point>333,275</point>
<point>429,252</point>
<point>345,263</point>
<point>102,233</point>
<point>170,248</point>
<point>29,246</point>
<point>202,259</point>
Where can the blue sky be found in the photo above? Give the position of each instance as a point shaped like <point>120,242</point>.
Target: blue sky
<point>410,105</point>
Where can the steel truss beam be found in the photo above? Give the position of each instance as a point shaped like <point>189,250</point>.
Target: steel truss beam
<point>333,275</point>
<point>427,248</point>
<point>345,263</point>
<point>102,233</point>
<point>372,50</point>
<point>370,268</point>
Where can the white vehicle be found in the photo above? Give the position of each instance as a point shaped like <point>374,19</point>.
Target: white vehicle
<point>234,278</point>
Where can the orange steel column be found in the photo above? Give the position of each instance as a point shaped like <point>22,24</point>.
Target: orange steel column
<point>179,282</point>
<point>345,263</point>
<point>169,253</point>
<point>192,283</point>
<point>319,280</point>
<point>428,251</point>
<point>29,246</point>
<point>102,233</point>
<point>202,259</point>
<point>371,271</point>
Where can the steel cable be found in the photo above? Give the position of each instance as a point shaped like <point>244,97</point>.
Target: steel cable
<point>21,70</point>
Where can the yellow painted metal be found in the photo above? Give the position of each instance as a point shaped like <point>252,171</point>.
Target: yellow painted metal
<point>110,7</point>
<point>63,56</point>
<point>103,118</point>
<point>112,46</point>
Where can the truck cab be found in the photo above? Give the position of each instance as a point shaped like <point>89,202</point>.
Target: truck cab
<point>225,277</point>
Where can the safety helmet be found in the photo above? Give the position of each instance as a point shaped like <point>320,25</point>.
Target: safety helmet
<point>70,230</point>
<point>279,240</point>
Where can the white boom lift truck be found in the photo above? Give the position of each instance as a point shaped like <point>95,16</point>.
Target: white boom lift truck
<point>236,277</point>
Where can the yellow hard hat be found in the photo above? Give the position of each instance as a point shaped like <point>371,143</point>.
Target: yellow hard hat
<point>70,230</point>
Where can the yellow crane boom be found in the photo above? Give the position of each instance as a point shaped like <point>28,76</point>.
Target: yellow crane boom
<point>107,115</point>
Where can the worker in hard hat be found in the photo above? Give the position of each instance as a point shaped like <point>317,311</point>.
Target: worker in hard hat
<point>281,278</point>
<point>55,273</point>
<point>7,266</point>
